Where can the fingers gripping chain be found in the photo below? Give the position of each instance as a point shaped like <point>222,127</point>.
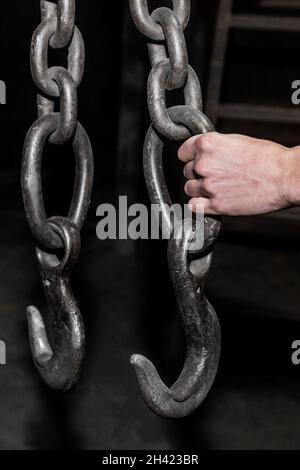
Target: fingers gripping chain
<point>58,359</point>
<point>188,271</point>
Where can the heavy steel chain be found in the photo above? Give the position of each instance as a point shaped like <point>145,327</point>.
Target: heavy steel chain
<point>59,365</point>
<point>164,29</point>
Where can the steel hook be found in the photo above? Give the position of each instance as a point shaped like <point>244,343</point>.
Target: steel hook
<point>203,338</point>
<point>188,270</point>
<point>59,365</point>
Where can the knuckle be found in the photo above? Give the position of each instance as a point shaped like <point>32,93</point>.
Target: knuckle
<point>201,167</point>
<point>217,205</point>
<point>204,143</point>
<point>208,185</point>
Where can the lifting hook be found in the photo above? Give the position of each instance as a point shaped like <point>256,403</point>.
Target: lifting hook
<point>59,365</point>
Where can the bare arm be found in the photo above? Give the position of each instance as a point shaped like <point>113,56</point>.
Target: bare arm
<point>239,175</point>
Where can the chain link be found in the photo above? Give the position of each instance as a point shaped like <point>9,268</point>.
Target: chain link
<point>171,71</point>
<point>57,30</point>
<point>65,13</point>
<point>147,24</point>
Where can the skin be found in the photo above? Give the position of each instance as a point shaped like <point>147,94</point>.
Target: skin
<point>239,175</point>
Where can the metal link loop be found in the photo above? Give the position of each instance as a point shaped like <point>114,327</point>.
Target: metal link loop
<point>43,76</point>
<point>157,53</point>
<point>32,181</point>
<point>71,243</point>
<point>68,107</point>
<point>64,10</point>
<point>176,47</point>
<point>48,9</point>
<point>157,100</point>
<point>65,24</point>
<point>194,122</point>
<point>147,24</point>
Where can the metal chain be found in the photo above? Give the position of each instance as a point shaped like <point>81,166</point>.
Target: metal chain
<point>60,365</point>
<point>164,28</point>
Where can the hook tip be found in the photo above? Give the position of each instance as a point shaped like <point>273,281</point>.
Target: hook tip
<point>143,368</point>
<point>136,360</point>
<point>141,364</point>
<point>40,346</point>
<point>147,376</point>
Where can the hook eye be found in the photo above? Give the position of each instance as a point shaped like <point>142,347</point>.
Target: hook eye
<point>70,236</point>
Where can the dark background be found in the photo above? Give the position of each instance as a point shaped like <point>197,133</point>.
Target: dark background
<point>123,287</point>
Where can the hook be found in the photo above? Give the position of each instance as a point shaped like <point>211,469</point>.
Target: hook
<point>202,332</point>
<point>59,365</point>
<point>188,268</point>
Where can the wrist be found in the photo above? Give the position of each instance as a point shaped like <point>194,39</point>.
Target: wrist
<point>291,174</point>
